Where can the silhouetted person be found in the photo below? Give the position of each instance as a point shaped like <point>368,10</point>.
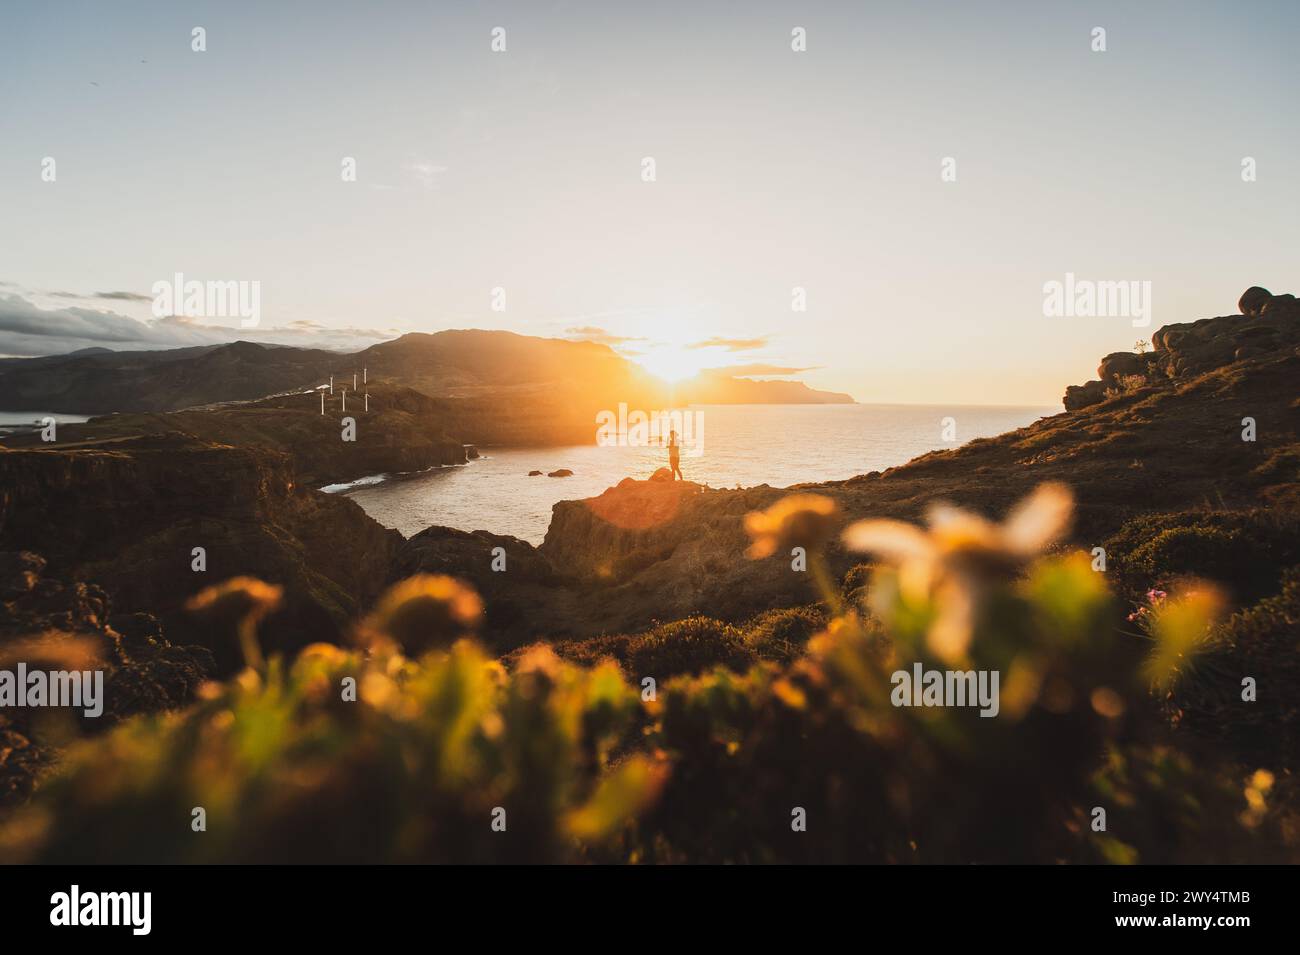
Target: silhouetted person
<point>675,455</point>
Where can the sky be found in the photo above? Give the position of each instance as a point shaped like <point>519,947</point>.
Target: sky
<point>522,171</point>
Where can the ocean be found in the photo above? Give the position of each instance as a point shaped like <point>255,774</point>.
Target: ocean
<point>725,446</point>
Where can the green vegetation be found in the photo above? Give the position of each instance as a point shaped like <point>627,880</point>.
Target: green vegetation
<point>752,729</point>
<point>1245,550</point>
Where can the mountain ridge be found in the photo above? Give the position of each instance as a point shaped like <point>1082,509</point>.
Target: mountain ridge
<point>452,363</point>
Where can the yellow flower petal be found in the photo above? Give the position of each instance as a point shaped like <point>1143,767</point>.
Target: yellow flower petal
<point>893,540</point>
<point>1039,520</point>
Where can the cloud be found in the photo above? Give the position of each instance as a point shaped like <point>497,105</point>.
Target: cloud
<point>591,333</point>
<point>105,296</point>
<point>27,330</point>
<point>424,172</point>
<point>731,344</point>
<point>748,371</point>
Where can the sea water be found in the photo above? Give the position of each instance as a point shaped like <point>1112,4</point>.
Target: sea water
<point>742,446</point>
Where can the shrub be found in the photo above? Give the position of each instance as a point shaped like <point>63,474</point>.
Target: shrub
<point>1263,643</point>
<point>1244,550</point>
<point>688,646</point>
<point>1161,810</point>
<point>1126,385</point>
<point>782,635</point>
<point>858,576</point>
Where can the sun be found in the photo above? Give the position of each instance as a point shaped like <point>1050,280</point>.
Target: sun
<point>672,363</point>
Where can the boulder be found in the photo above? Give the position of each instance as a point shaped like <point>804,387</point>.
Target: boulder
<point>1256,332</point>
<point>1278,304</point>
<point>1168,337</point>
<point>1252,299</point>
<point>561,472</point>
<point>662,474</point>
<point>1082,396</point>
<point>1121,364</point>
<point>534,473</point>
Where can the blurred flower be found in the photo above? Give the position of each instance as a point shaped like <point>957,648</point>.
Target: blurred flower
<point>424,612</point>
<point>621,796</point>
<point>52,650</point>
<point>245,601</point>
<point>1256,792</point>
<point>799,520</point>
<point>953,562</point>
<point>240,596</point>
<point>1181,628</point>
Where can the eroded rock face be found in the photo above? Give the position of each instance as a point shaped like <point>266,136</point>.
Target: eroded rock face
<point>129,514</point>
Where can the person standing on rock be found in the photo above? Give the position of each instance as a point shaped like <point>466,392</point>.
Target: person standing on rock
<point>675,455</point>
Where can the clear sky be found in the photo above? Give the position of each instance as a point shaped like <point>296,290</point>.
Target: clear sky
<point>775,169</point>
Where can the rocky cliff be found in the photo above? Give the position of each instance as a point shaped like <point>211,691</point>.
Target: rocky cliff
<point>128,513</point>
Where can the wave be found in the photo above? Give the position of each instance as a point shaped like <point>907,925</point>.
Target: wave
<point>359,482</point>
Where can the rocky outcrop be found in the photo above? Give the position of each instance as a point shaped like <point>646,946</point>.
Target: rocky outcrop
<point>47,622</point>
<point>1266,324</point>
<point>522,591</point>
<point>663,550</point>
<point>1083,396</point>
<point>614,564</point>
<point>129,513</point>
